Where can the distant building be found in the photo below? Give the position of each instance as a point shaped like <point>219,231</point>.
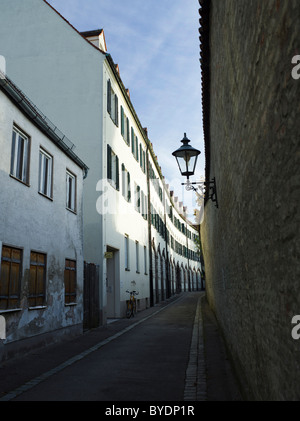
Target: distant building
<point>41,226</point>
<point>127,231</point>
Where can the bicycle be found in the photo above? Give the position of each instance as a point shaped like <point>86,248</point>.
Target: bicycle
<point>131,304</point>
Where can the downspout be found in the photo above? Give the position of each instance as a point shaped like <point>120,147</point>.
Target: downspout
<point>167,252</point>
<point>149,229</point>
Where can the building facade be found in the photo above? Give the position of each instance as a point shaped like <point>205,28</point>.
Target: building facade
<point>127,232</point>
<point>41,227</point>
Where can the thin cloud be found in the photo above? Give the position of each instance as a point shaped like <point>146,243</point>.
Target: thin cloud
<point>156,45</point>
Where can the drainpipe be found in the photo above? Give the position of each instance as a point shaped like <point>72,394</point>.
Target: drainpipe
<point>149,229</point>
<point>168,285</point>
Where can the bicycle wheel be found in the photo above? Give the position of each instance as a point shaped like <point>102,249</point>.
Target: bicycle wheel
<point>133,308</point>
<point>129,309</point>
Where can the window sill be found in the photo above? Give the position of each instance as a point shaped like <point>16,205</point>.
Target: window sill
<point>72,211</point>
<point>37,308</point>
<point>113,185</point>
<point>47,197</point>
<point>115,123</point>
<point>70,304</point>
<point>10,310</point>
<point>20,181</point>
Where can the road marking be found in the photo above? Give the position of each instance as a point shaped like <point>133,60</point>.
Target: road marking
<point>34,382</point>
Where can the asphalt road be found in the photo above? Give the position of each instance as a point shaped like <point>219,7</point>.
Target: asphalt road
<point>144,359</point>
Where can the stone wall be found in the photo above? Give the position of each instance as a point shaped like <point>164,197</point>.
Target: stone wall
<point>251,243</point>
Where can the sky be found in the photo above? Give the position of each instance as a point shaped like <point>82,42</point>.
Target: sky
<point>156,45</point>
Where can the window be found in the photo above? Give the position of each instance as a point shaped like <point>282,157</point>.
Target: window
<point>113,168</point>
<point>45,173</point>
<point>71,191</point>
<point>70,282</point>
<point>126,184</point>
<point>10,278</point>
<point>127,267</point>
<point>125,129</point>
<point>144,205</point>
<point>137,251</point>
<point>144,162</point>
<point>19,166</point>
<point>132,142</point>
<point>145,260</point>
<point>141,157</point>
<point>37,280</point>
<point>136,148</point>
<point>112,104</point>
<point>137,198</point>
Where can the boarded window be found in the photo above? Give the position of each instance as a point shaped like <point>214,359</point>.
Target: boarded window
<point>37,280</point>
<point>10,278</point>
<point>70,282</point>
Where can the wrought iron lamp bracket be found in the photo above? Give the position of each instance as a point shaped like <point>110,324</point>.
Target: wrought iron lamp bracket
<point>208,189</point>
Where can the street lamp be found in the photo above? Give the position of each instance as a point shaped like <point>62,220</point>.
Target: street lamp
<point>186,157</point>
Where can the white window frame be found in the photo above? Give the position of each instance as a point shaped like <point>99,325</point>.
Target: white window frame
<point>45,173</point>
<point>20,155</point>
<point>71,193</point>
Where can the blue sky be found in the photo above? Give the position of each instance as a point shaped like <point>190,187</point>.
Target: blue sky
<point>156,45</point>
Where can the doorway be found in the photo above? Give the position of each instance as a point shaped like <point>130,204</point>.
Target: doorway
<point>113,283</point>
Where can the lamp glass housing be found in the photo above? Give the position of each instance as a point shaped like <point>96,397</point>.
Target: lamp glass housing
<point>186,157</point>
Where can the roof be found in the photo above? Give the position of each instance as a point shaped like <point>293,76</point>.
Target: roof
<point>93,33</point>
<point>204,13</point>
<point>40,120</point>
<point>83,37</point>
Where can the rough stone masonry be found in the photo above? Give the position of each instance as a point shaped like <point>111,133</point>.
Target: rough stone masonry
<point>251,114</point>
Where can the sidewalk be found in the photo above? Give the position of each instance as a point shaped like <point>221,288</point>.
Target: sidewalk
<point>220,382</point>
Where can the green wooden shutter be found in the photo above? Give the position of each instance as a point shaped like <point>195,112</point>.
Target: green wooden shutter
<point>117,174</point>
<point>129,189</point>
<point>116,111</point>
<point>136,148</point>
<point>109,96</point>
<point>128,132</point>
<point>132,140</point>
<point>123,180</point>
<point>122,121</point>
<point>141,156</point>
<point>109,172</point>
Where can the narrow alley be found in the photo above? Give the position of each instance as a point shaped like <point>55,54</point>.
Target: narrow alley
<point>157,356</point>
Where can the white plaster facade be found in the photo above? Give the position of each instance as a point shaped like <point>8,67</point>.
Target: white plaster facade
<point>67,76</point>
<point>37,224</point>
